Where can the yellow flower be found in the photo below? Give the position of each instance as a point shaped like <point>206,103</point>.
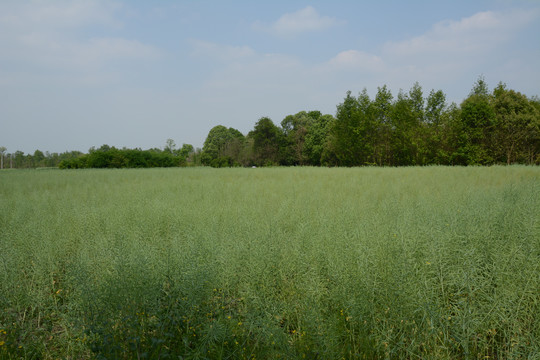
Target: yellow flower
<point>2,343</point>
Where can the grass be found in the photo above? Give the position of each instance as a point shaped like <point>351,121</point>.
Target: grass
<point>316,263</point>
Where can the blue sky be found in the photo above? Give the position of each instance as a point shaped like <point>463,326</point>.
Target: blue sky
<point>76,74</point>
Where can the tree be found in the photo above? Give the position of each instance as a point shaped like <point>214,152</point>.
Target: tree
<point>295,128</point>
<point>316,139</point>
<point>20,159</point>
<point>346,143</point>
<point>476,128</point>
<point>38,158</point>
<point>416,99</point>
<point>267,139</point>
<point>186,150</point>
<point>100,158</point>
<point>216,139</point>
<point>170,146</point>
<point>382,107</point>
<point>354,135</point>
<point>2,151</point>
<point>222,146</point>
<point>435,106</point>
<point>406,129</point>
<point>438,129</point>
<point>480,88</point>
<point>517,134</point>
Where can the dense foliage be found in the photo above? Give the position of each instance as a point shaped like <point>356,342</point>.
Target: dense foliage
<point>20,160</point>
<point>272,263</point>
<point>501,127</point>
<point>110,157</point>
<point>106,157</point>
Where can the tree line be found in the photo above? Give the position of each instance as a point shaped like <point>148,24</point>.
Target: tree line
<point>501,126</point>
<point>497,127</point>
<point>20,160</point>
<point>105,157</point>
<point>111,157</point>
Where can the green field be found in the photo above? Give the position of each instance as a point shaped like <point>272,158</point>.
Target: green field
<point>316,263</point>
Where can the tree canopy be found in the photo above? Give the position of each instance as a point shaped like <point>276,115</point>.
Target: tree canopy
<point>488,127</point>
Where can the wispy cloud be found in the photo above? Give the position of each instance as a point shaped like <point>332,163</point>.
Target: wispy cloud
<point>52,35</point>
<point>243,69</point>
<point>473,45</point>
<point>469,36</point>
<point>57,14</point>
<point>356,60</point>
<point>447,55</point>
<point>50,51</point>
<point>301,21</point>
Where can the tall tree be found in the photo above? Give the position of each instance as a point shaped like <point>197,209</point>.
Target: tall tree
<point>517,134</point>
<point>477,125</point>
<point>354,135</point>
<point>438,129</point>
<point>2,151</point>
<point>407,131</point>
<point>316,139</point>
<point>267,139</point>
<point>346,144</point>
<point>382,107</point>
<point>295,129</point>
<point>416,129</point>
<point>38,158</point>
<point>170,146</point>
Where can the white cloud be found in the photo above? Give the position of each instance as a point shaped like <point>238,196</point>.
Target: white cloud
<point>243,69</point>
<point>445,56</point>
<point>356,60</point>
<point>57,14</point>
<point>456,51</point>
<point>468,37</point>
<point>449,56</point>
<point>53,36</point>
<point>301,21</point>
<point>52,51</point>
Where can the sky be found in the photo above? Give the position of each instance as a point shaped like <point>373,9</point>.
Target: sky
<point>77,74</point>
